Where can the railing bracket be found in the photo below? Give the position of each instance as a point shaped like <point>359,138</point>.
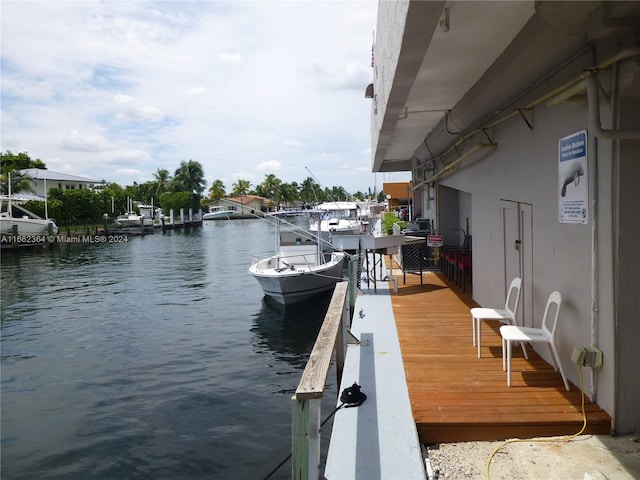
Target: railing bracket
<point>353,340</point>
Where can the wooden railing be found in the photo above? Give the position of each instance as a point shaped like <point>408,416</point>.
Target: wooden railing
<point>306,403</point>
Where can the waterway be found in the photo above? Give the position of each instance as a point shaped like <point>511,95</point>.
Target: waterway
<point>157,357</point>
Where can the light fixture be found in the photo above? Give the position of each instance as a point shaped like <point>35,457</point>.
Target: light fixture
<point>444,23</point>
<point>368,93</point>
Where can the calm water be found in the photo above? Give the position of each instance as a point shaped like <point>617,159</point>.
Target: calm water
<point>155,358</point>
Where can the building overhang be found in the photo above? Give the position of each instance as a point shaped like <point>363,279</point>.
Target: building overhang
<point>459,64</point>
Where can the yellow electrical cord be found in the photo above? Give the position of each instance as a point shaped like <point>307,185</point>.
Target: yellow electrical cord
<point>564,439</point>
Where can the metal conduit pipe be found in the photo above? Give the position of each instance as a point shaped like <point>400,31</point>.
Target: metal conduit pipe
<point>595,126</point>
<point>450,166</point>
<point>561,94</point>
<point>590,85</point>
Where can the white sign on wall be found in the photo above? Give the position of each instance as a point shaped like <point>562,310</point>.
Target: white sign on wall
<point>573,185</point>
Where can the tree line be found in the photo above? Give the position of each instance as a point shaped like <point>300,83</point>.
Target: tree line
<point>184,189</point>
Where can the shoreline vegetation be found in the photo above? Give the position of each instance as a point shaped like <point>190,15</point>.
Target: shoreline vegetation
<point>185,189</point>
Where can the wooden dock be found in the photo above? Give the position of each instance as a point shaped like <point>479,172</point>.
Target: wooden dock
<point>456,396</point>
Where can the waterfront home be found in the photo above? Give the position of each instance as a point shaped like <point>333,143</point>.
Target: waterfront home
<point>245,205</point>
<point>44,180</point>
<point>520,124</point>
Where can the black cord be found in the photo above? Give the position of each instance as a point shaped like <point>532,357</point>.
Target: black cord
<point>289,456</point>
<point>276,469</point>
<point>350,397</point>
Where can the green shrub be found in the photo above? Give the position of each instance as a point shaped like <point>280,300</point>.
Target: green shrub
<point>390,219</point>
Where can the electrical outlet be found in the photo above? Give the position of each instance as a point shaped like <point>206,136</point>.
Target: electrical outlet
<point>593,357</point>
<point>578,355</point>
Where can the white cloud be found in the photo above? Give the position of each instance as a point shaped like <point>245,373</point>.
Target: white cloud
<point>271,166</point>
<point>195,92</point>
<point>226,57</point>
<point>129,108</point>
<point>126,156</point>
<point>85,143</point>
<point>115,90</point>
<point>129,172</point>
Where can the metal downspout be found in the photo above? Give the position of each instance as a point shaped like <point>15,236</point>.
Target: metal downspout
<point>595,126</point>
<point>587,81</point>
<point>595,307</point>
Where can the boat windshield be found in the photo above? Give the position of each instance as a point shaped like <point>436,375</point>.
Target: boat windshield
<point>346,214</point>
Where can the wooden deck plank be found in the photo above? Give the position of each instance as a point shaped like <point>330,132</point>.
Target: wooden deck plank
<point>456,396</point>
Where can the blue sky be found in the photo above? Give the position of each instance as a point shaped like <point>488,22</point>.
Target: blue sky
<point>115,90</point>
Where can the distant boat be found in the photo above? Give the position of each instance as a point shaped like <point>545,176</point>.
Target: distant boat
<point>28,223</point>
<point>133,219</point>
<point>299,269</point>
<point>154,213</point>
<point>218,213</point>
<point>340,218</point>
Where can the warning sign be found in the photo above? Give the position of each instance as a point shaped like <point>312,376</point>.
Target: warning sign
<point>435,240</point>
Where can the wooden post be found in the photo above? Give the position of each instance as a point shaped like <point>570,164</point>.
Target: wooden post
<point>353,280</point>
<point>305,439</point>
<point>306,403</point>
<point>342,340</point>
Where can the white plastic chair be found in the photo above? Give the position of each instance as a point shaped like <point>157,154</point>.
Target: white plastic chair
<point>511,333</point>
<point>506,315</point>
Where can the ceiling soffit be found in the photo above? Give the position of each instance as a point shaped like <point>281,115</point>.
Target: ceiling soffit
<point>478,32</point>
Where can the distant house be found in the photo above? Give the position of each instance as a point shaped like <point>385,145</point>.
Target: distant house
<point>44,180</point>
<point>399,195</point>
<point>246,204</point>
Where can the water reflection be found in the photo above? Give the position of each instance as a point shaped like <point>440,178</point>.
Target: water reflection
<point>289,332</point>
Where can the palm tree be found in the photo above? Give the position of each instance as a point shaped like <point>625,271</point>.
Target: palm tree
<point>336,194</point>
<point>285,194</point>
<point>162,177</point>
<point>309,191</point>
<point>217,190</point>
<point>241,187</point>
<point>190,177</point>
<point>20,182</point>
<point>270,185</point>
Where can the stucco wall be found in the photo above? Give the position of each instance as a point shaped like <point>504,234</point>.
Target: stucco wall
<point>627,273</point>
<point>389,30</point>
<point>524,168</point>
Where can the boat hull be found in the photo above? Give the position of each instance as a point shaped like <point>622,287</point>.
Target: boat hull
<point>134,221</point>
<point>27,226</point>
<point>221,215</point>
<point>294,284</point>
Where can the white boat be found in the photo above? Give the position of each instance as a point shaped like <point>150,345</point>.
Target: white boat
<point>133,219</point>
<point>154,213</point>
<point>16,219</point>
<point>299,269</point>
<point>218,213</point>
<point>339,218</point>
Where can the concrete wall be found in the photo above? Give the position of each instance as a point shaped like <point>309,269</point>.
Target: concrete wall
<point>389,32</point>
<point>524,168</point>
<point>627,272</point>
